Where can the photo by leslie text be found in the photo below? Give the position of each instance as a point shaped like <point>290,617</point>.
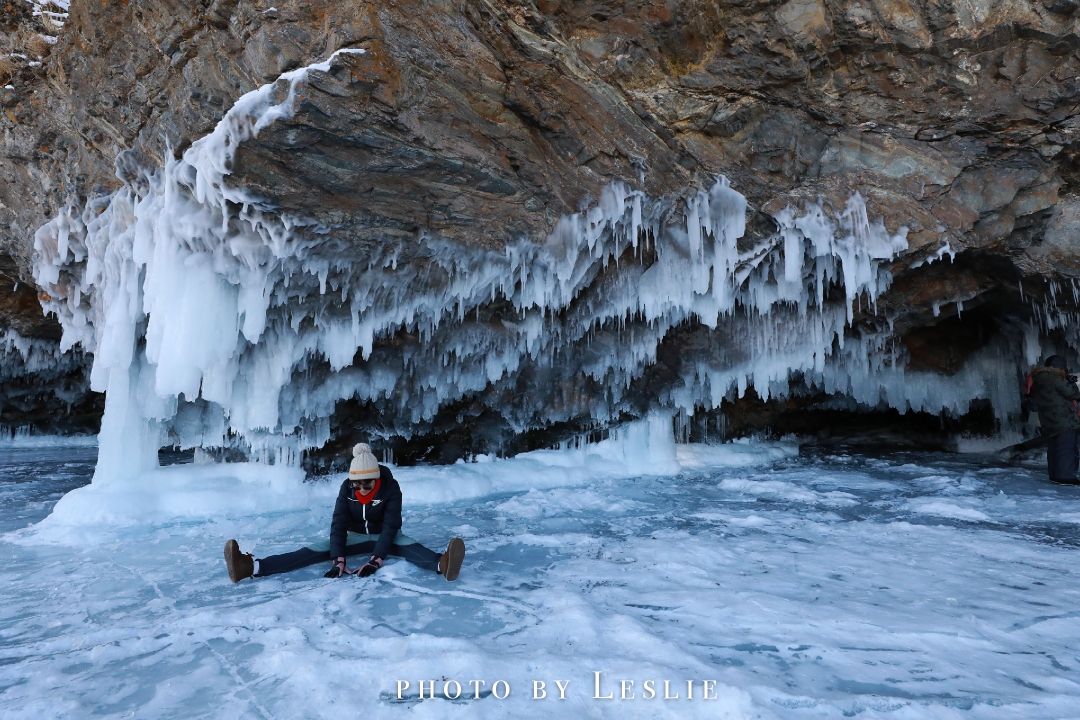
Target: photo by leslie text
<point>545,690</point>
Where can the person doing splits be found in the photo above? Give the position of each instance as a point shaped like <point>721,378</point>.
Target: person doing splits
<point>367,519</point>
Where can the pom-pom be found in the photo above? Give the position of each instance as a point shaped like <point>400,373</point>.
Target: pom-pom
<point>360,448</point>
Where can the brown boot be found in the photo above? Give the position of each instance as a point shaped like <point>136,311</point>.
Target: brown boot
<point>240,565</point>
<point>450,561</point>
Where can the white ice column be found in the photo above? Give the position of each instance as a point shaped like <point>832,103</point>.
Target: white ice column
<point>128,441</point>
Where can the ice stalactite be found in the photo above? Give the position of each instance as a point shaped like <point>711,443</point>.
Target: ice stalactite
<point>214,319</point>
<point>40,386</point>
<point>23,356</point>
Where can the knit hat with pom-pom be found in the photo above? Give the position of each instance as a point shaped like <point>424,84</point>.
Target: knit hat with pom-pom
<point>364,465</point>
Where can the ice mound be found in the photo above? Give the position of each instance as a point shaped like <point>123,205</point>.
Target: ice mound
<point>741,453</point>
<point>646,447</point>
<point>220,491</point>
<point>173,494</point>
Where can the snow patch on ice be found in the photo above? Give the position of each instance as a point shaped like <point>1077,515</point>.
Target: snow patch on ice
<point>750,521</point>
<point>941,508</point>
<point>784,490</point>
<point>696,456</point>
<point>536,503</point>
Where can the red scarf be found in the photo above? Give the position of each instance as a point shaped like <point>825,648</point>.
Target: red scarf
<point>365,499</point>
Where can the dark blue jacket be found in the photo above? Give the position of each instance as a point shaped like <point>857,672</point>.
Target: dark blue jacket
<point>381,516</point>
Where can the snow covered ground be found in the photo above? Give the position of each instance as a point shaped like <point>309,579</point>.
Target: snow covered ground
<point>806,586</point>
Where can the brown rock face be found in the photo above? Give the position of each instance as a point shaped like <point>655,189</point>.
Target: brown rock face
<point>486,120</point>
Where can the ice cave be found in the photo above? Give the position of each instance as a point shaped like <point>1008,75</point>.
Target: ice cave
<point>760,315</point>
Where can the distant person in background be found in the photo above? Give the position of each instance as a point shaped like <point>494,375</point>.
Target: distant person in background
<point>1055,393</point>
<point>367,519</point>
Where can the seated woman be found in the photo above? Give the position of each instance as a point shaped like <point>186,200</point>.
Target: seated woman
<point>367,519</point>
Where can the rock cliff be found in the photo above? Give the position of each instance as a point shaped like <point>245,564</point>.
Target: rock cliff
<point>484,121</point>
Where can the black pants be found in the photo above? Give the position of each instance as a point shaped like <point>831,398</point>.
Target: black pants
<point>356,544</point>
<point>1063,456</point>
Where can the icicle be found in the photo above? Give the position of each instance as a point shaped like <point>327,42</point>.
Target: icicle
<point>188,306</point>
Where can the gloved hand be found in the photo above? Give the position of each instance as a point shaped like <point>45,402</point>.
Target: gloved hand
<point>372,565</point>
<point>339,569</point>
<point>1071,378</point>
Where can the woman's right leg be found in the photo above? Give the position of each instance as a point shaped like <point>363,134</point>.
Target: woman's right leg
<point>287,562</point>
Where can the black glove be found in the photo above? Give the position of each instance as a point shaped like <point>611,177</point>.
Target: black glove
<point>338,570</point>
<point>1071,378</point>
<point>372,565</point>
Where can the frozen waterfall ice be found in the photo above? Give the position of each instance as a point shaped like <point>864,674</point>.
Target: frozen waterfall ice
<point>215,320</point>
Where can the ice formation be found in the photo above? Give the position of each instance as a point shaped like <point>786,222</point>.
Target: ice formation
<point>641,448</point>
<point>22,356</point>
<point>53,12</point>
<point>31,368</point>
<point>910,586</point>
<point>215,320</point>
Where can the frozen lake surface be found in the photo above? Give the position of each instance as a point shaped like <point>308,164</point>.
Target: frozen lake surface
<point>813,586</point>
